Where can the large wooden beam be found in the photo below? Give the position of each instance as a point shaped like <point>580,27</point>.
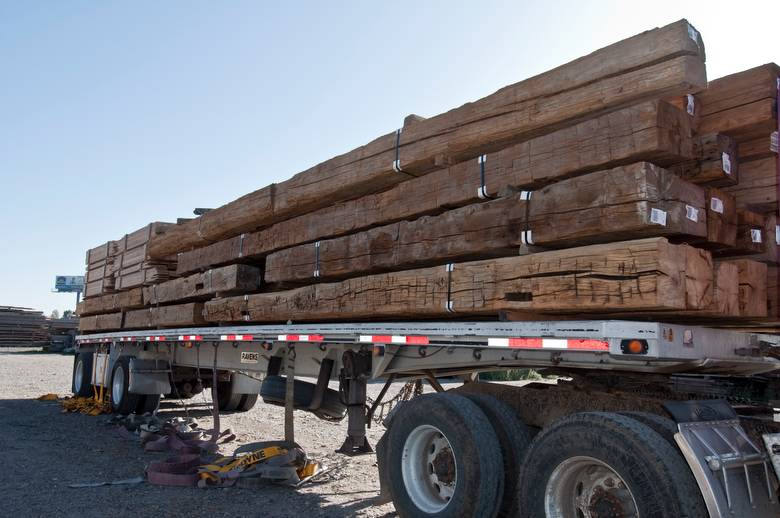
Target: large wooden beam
<point>105,322</point>
<point>757,189</point>
<point>652,131</point>
<point>640,200</point>
<point>716,161</point>
<point>656,64</point>
<point>721,220</point>
<point>741,105</point>
<point>180,315</point>
<point>237,278</point>
<point>752,288</point>
<point>644,275</point>
<point>130,299</point>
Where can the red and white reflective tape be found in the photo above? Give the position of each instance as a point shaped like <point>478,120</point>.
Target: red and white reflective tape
<point>301,338</point>
<point>576,344</point>
<point>236,338</point>
<point>155,338</point>
<point>394,339</point>
<point>126,339</point>
<point>190,338</point>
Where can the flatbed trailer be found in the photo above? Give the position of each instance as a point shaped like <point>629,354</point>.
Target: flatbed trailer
<point>648,418</point>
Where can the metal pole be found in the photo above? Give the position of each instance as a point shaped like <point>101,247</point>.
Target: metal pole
<point>289,397</point>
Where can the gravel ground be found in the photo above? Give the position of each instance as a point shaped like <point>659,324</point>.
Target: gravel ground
<point>42,450</point>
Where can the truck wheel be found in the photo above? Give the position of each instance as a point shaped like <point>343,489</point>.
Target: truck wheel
<point>122,401</point>
<point>444,459</point>
<point>661,425</point>
<point>605,464</point>
<point>247,402</point>
<point>227,399</point>
<point>274,388</point>
<point>514,437</point>
<point>147,403</point>
<point>82,374</point>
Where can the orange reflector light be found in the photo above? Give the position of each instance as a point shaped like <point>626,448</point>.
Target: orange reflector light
<point>633,346</point>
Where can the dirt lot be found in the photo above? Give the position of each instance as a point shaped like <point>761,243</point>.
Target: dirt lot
<point>43,450</point>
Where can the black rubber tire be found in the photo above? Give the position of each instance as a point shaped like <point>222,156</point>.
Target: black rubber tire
<point>479,465</point>
<point>247,403</point>
<point>85,389</point>
<point>514,437</point>
<point>663,426</point>
<point>273,390</point>
<point>227,399</point>
<point>654,471</point>
<point>148,403</point>
<point>128,402</point>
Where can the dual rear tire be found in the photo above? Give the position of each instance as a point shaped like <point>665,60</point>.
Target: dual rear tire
<point>468,455</point>
<point>123,401</point>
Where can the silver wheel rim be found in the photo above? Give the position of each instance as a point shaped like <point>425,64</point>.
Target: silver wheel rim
<point>429,469</point>
<point>78,378</point>
<point>118,385</point>
<point>584,487</point>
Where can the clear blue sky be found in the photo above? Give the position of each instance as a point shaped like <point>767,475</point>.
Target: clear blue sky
<point>114,114</point>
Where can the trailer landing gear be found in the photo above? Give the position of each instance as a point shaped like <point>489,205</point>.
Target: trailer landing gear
<point>353,380</point>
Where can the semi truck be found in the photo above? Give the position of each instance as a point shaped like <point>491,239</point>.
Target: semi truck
<point>645,419</point>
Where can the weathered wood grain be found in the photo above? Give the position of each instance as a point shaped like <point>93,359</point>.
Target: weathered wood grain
<point>237,278</point>
<point>640,200</point>
<point>130,299</point>
<point>716,162</point>
<point>757,189</point>
<point>180,315</point>
<point>752,288</point>
<point>105,322</point>
<point>721,220</point>
<point>642,275</point>
<point>651,131</point>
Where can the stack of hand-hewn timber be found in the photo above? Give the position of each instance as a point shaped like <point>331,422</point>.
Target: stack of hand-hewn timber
<point>124,264</point>
<point>607,187</point>
<point>22,327</point>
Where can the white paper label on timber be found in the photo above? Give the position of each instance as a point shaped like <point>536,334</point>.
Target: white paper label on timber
<point>755,235</point>
<point>726,159</point>
<point>525,195</point>
<point>691,107</point>
<point>658,216</point>
<point>692,213</point>
<point>777,234</point>
<point>527,237</point>
<point>774,142</point>
<point>716,205</point>
<point>249,357</point>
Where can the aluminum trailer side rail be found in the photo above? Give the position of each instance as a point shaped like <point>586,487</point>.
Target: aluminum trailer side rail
<point>459,347</point>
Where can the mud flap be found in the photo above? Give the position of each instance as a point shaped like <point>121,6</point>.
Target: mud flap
<point>732,471</point>
<point>149,377</point>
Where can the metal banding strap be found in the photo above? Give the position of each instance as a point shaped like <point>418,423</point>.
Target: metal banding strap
<point>245,311</point>
<point>449,305</point>
<point>397,162</point>
<point>526,236</point>
<point>317,259</point>
<point>482,189</point>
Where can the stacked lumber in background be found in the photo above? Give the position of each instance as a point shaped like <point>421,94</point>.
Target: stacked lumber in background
<point>124,264</point>
<point>613,186</point>
<point>22,327</point>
